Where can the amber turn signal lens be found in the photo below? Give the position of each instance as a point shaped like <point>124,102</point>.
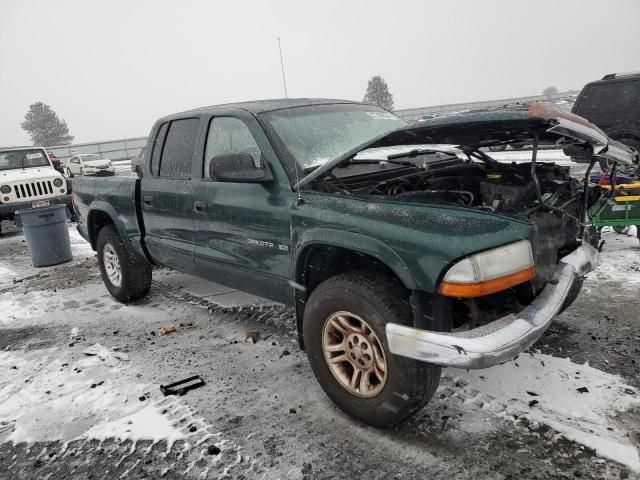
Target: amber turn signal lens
<point>470,290</point>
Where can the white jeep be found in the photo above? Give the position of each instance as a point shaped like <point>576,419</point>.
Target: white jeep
<point>29,180</point>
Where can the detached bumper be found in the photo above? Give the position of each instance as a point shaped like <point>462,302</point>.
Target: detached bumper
<point>502,339</point>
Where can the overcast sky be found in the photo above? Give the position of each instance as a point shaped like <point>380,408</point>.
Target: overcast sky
<point>110,68</point>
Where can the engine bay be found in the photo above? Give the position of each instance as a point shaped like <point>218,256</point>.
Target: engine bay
<point>504,188</point>
<point>438,178</point>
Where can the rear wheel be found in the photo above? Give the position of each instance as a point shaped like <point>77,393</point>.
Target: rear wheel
<point>619,230</point>
<point>126,278</point>
<point>344,335</point>
<point>69,173</point>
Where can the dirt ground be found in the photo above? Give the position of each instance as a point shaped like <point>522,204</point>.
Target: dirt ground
<point>261,414</point>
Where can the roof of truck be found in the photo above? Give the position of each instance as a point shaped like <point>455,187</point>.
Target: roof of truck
<point>261,106</point>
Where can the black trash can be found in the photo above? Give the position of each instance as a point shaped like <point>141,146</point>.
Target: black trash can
<point>47,234</point>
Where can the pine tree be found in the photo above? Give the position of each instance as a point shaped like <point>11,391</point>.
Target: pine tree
<point>45,127</point>
<point>378,93</point>
<point>549,92</point>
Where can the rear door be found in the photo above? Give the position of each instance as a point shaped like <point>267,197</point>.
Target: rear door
<point>166,194</point>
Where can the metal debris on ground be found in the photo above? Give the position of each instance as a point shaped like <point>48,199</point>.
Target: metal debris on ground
<point>182,386</point>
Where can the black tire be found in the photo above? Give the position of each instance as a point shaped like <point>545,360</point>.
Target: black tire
<point>517,145</point>
<point>619,229</point>
<point>69,173</point>
<point>135,280</point>
<point>378,300</point>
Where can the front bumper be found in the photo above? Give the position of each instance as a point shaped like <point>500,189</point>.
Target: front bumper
<point>8,210</point>
<point>100,172</point>
<point>502,339</point>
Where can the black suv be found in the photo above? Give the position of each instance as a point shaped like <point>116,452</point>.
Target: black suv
<point>613,104</point>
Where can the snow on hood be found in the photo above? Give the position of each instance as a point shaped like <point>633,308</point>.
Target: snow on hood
<point>24,174</point>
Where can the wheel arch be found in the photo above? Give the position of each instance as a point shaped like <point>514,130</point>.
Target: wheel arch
<point>100,215</point>
<point>324,254</point>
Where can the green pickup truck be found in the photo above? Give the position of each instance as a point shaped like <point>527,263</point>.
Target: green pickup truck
<point>403,248</point>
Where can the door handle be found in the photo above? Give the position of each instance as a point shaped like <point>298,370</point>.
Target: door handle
<point>200,206</point>
<point>148,199</point>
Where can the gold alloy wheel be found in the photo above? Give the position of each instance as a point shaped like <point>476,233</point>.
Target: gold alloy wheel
<point>354,354</point>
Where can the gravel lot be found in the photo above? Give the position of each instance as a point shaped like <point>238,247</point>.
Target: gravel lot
<point>261,414</point>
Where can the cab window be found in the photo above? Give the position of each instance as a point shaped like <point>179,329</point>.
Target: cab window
<point>177,153</point>
<point>229,135</point>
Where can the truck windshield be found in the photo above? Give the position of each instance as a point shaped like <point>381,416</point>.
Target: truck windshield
<point>28,158</point>
<point>317,133</point>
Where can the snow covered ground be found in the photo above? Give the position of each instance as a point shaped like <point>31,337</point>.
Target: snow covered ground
<point>569,405</point>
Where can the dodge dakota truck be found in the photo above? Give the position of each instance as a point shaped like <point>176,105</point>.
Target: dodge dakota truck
<point>403,248</point>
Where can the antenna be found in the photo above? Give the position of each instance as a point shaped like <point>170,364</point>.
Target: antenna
<point>284,80</point>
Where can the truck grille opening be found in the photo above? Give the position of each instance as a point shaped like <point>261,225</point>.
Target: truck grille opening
<point>33,189</point>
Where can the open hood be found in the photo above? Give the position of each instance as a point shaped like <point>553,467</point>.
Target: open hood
<point>476,130</point>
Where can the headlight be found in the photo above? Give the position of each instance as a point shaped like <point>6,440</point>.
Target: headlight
<point>490,271</point>
<point>5,189</point>
<point>57,182</point>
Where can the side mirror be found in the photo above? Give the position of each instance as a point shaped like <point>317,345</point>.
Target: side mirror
<point>239,168</point>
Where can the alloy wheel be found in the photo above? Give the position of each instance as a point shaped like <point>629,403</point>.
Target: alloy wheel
<point>112,265</point>
<point>354,354</point>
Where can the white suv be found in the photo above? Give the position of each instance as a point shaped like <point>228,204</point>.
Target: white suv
<point>28,180</point>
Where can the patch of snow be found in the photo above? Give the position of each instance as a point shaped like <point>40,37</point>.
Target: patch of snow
<point>145,424</point>
<point>544,389</point>
<point>79,246</point>
<point>620,257</point>
<point>65,398</point>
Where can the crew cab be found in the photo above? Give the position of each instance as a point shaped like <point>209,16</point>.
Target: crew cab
<point>403,248</point>
<point>29,180</point>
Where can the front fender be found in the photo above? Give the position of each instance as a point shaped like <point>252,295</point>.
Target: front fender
<point>356,242</point>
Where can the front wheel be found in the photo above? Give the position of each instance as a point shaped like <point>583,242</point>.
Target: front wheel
<point>344,335</point>
<point>126,278</point>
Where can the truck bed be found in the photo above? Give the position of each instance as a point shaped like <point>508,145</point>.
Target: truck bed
<point>117,197</point>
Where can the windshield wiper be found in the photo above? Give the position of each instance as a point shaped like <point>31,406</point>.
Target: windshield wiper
<point>389,159</point>
<point>420,151</point>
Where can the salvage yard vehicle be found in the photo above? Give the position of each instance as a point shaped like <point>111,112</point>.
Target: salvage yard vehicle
<point>613,103</point>
<point>403,248</point>
<point>29,180</point>
<point>89,164</point>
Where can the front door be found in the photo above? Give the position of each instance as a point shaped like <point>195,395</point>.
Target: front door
<point>167,197</point>
<point>243,229</point>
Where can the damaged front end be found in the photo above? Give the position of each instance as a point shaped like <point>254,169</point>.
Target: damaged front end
<point>446,162</point>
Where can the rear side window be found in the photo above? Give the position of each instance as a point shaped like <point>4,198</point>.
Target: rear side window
<point>608,98</point>
<point>178,148</point>
<point>157,149</point>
